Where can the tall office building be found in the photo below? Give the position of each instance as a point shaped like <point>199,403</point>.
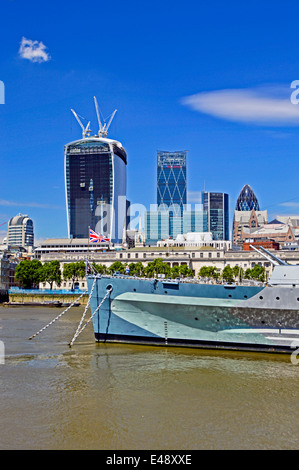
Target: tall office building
<point>216,206</point>
<point>172,180</point>
<point>95,183</point>
<point>247,200</point>
<point>20,232</point>
<point>247,214</point>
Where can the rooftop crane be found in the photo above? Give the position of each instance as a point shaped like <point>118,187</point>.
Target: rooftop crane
<point>85,130</point>
<point>103,129</point>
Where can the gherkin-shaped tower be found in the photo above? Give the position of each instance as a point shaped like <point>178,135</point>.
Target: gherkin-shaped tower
<point>247,200</point>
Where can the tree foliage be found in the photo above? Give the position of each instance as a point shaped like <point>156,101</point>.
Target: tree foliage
<point>28,273</point>
<point>74,271</point>
<point>50,272</point>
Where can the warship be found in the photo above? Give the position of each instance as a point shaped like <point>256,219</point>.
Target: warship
<point>181,313</point>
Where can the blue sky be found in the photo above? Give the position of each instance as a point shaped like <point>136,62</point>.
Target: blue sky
<point>212,78</point>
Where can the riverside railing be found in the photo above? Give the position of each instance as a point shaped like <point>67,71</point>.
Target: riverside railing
<point>18,290</point>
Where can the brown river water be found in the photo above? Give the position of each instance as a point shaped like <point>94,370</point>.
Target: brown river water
<point>123,397</point>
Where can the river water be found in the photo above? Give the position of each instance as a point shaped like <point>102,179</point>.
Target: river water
<point>123,397</point>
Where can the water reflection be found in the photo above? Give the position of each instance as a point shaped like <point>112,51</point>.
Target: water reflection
<point>104,396</point>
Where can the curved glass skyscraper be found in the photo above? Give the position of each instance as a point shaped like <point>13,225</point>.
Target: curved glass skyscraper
<point>247,200</point>
<point>95,184</point>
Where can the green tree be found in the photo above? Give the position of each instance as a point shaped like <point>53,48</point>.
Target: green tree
<point>136,269</point>
<point>258,273</point>
<point>157,267</point>
<point>117,266</point>
<point>238,272</point>
<point>209,272</point>
<point>247,274</point>
<point>74,271</point>
<point>29,273</point>
<point>227,274</point>
<point>175,272</point>
<point>50,272</point>
<point>185,271</point>
<point>100,268</point>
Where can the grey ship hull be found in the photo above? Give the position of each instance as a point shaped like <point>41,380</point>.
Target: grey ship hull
<point>159,312</point>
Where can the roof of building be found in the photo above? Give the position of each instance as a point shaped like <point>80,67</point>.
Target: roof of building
<point>244,216</point>
<point>247,199</point>
<point>19,220</point>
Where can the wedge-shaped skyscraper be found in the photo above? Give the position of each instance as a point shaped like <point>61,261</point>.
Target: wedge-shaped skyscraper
<point>95,183</point>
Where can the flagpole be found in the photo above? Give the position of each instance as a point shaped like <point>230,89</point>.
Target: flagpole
<point>87,249</point>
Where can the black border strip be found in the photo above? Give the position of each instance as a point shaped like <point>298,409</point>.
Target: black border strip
<point>156,341</point>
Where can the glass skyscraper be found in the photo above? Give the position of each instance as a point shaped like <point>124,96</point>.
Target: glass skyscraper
<point>171,180</point>
<point>216,206</point>
<point>247,200</point>
<point>95,184</point>
<point>164,224</point>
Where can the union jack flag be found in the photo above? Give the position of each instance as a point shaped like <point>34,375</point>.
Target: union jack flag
<point>96,238</point>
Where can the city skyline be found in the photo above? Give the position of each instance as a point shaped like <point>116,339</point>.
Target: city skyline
<point>220,89</point>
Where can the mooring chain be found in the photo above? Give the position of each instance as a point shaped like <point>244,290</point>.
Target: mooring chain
<point>85,310</point>
<point>98,307</point>
<point>60,315</point>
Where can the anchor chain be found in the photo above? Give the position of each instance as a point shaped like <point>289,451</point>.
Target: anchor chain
<point>60,315</point>
<point>79,331</point>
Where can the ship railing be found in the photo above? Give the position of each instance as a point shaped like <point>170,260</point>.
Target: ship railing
<point>245,282</point>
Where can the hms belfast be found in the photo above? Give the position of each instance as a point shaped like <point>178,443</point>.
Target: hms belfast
<point>95,183</point>
<point>168,312</point>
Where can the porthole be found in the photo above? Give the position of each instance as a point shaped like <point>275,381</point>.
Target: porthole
<point>195,318</point>
<point>261,297</point>
<point>277,298</point>
<point>245,296</point>
<point>134,290</point>
<point>229,295</point>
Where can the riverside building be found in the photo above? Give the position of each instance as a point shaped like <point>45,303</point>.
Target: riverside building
<point>20,232</point>
<point>95,184</point>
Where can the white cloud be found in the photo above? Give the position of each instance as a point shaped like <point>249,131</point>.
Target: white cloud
<point>4,202</point>
<point>266,105</point>
<point>289,204</point>
<point>34,51</point>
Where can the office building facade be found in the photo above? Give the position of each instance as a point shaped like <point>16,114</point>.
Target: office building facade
<point>164,224</point>
<point>20,232</point>
<point>95,185</point>
<point>217,208</point>
<point>172,180</point>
